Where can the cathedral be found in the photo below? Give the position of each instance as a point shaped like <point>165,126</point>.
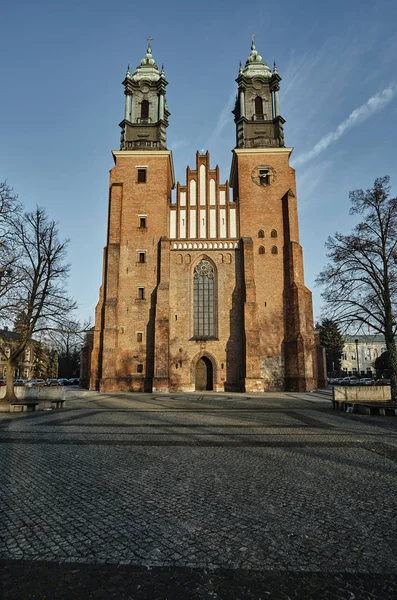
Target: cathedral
<point>204,292</point>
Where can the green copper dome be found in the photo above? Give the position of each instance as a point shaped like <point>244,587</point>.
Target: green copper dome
<point>255,66</point>
<point>147,69</point>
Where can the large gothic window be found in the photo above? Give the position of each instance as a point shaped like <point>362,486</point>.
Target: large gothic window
<point>204,300</point>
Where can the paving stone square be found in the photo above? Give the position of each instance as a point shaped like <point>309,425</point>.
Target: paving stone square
<point>216,496</point>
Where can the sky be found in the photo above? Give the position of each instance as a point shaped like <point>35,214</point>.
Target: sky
<point>61,100</point>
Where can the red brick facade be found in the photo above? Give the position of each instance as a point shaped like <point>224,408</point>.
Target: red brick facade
<point>152,311</point>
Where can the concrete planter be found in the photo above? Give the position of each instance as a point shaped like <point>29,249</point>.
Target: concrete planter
<point>41,398</point>
<point>362,393</point>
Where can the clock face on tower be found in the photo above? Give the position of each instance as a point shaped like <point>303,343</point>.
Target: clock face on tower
<point>263,175</point>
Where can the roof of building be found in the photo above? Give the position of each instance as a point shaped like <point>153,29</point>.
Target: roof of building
<point>365,339</point>
<point>13,335</point>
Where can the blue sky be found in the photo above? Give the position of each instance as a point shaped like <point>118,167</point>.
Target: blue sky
<point>62,64</point>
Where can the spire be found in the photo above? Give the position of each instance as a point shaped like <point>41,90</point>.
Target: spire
<point>147,69</point>
<point>254,64</point>
<point>257,108</point>
<point>149,39</point>
<point>146,112</point>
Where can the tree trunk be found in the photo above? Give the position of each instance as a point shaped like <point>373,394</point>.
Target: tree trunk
<point>391,346</point>
<point>10,393</point>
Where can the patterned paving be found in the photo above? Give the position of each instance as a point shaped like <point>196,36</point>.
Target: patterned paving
<point>180,484</point>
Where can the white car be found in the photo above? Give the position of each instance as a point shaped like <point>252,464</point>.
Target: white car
<point>35,383</point>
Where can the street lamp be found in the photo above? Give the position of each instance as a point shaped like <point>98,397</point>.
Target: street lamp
<point>358,363</point>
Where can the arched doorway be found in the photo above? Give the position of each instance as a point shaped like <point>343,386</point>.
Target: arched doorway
<point>204,374</point>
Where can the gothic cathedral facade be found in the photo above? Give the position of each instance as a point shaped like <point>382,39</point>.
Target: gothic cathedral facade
<point>207,292</point>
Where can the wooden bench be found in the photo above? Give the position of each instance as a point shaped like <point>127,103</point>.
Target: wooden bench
<point>366,408</point>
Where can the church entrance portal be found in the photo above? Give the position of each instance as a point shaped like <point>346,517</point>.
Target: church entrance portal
<point>204,374</point>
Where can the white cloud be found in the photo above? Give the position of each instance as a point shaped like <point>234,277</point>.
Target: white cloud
<point>308,180</point>
<point>178,144</point>
<point>223,120</point>
<point>360,114</point>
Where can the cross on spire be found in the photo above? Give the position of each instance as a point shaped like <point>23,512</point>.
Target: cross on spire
<point>253,36</point>
<point>150,39</point>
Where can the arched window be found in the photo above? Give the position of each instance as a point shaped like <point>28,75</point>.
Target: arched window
<point>204,300</point>
<point>258,106</point>
<point>273,233</point>
<point>261,234</point>
<point>145,109</point>
<point>261,250</point>
<point>274,250</point>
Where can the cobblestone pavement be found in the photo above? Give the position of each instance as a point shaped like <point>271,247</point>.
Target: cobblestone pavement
<point>198,496</point>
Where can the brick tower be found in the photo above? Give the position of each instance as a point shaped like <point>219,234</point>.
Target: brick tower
<point>139,196</point>
<point>207,292</point>
<point>278,314</point>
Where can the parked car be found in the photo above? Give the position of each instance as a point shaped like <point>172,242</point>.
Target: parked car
<point>74,381</point>
<point>63,381</point>
<point>349,381</point>
<point>2,383</point>
<point>19,382</point>
<point>35,383</point>
<point>52,382</point>
<point>366,381</point>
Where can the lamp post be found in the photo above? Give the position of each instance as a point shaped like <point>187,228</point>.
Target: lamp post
<point>358,362</point>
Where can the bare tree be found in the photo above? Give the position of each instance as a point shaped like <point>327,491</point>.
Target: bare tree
<point>9,204</point>
<point>360,281</point>
<point>10,207</point>
<point>68,343</point>
<point>37,298</point>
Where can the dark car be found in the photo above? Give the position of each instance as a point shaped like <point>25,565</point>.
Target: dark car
<point>19,382</point>
<point>383,382</point>
<point>2,383</point>
<point>52,382</point>
<point>74,381</point>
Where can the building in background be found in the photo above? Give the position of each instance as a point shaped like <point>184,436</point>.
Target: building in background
<point>26,364</point>
<point>360,353</point>
<point>207,292</point>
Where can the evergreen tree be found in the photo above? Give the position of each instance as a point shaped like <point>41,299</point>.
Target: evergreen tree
<point>382,364</point>
<point>40,364</point>
<point>20,322</point>
<point>333,342</point>
<point>52,371</point>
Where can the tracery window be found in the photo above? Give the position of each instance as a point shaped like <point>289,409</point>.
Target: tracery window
<point>204,300</point>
